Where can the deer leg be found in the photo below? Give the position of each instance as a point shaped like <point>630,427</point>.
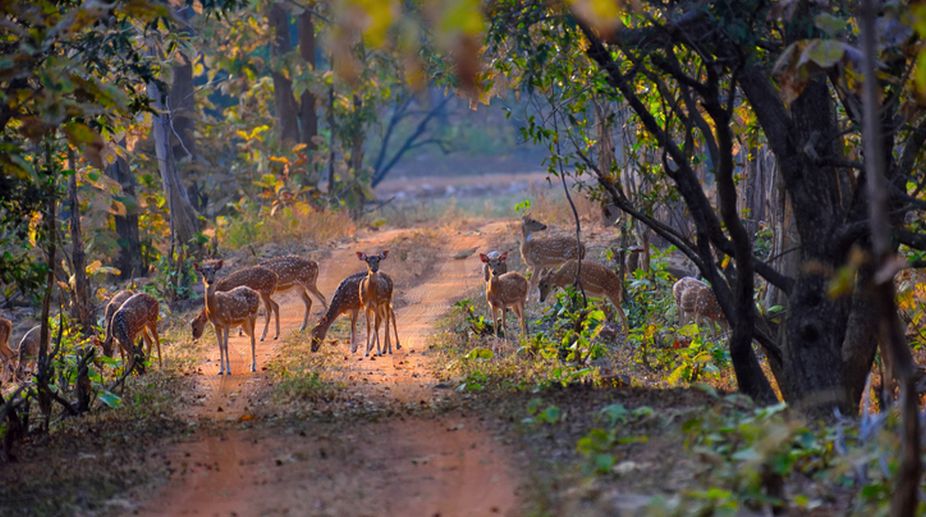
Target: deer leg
<point>378,318</point>
<point>353,330</point>
<point>318,294</point>
<point>267,307</point>
<point>276,314</point>
<point>225,350</point>
<point>307,301</point>
<point>218,338</point>
<point>519,310</point>
<point>494,320</point>
<point>369,341</point>
<point>398,346</point>
<point>157,341</point>
<point>250,332</point>
<point>387,347</point>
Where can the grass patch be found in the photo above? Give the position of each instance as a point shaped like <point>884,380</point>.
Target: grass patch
<point>299,376</point>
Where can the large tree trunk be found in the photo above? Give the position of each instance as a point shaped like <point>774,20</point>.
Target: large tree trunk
<point>129,260</point>
<point>81,305</point>
<point>281,45</point>
<point>308,118</point>
<point>183,218</point>
<point>183,112</point>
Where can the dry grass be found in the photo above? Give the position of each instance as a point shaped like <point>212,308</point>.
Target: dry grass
<point>298,223</point>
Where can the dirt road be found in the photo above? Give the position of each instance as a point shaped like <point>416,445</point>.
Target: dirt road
<point>426,464</point>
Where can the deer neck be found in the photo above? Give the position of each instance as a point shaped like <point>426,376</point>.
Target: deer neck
<point>210,298</point>
<point>526,233</point>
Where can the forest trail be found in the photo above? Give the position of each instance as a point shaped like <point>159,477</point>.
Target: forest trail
<point>424,464</point>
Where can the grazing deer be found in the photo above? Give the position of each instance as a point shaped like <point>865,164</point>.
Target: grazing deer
<point>596,279</point>
<point>376,299</point>
<point>544,253</point>
<point>7,356</point>
<point>695,300</point>
<point>138,314</point>
<point>226,310</point>
<point>505,290</point>
<point>114,303</point>
<point>297,273</point>
<point>346,299</point>
<point>28,350</point>
<point>260,279</point>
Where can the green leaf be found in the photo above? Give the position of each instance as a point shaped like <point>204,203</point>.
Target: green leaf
<point>110,399</point>
<point>831,25</point>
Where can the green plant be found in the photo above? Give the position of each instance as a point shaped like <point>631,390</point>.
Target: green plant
<point>699,358</point>
<point>550,414</point>
<point>598,444</point>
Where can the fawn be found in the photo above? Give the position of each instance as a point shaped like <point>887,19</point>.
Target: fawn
<point>346,299</point>
<point>262,280</point>
<point>376,298</point>
<point>595,278</point>
<point>544,253</point>
<point>226,310</point>
<point>297,273</point>
<point>114,303</point>
<point>503,291</point>
<point>138,314</point>
<point>501,266</point>
<point>695,300</point>
<point>7,356</point>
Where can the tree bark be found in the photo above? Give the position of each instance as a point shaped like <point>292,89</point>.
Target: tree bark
<point>285,103</point>
<point>182,104</point>
<point>183,218</point>
<point>81,305</point>
<point>129,260</point>
<point>308,117</point>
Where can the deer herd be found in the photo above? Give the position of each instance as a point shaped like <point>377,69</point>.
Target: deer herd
<point>234,300</point>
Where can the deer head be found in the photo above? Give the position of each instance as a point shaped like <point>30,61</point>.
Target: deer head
<point>532,225</point>
<point>208,269</point>
<point>373,260</point>
<point>493,263</point>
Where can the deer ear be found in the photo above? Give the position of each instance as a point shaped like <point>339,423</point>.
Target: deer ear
<point>484,258</point>
<point>361,255</point>
<point>195,266</point>
<point>503,257</point>
<point>385,253</point>
<point>219,264</point>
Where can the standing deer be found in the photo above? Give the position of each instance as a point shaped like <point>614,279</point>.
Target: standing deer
<point>297,273</point>
<point>502,266</point>
<point>695,300</point>
<point>346,299</point>
<point>547,252</point>
<point>114,303</point>
<point>262,280</point>
<point>594,278</point>
<point>139,314</point>
<point>226,310</point>
<point>503,291</point>
<point>376,299</point>
<point>7,356</point>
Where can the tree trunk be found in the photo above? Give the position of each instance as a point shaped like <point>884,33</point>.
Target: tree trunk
<point>183,218</point>
<point>286,108</point>
<point>129,260</point>
<point>308,117</point>
<point>182,106</point>
<point>356,141</point>
<point>331,129</point>
<point>81,305</point>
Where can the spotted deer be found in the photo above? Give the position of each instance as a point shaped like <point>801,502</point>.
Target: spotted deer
<point>505,290</point>
<point>596,279</point>
<point>376,299</point>
<point>262,280</point>
<point>137,315</point>
<point>298,273</point>
<point>346,300</point>
<point>228,309</point>
<point>501,266</point>
<point>114,303</point>
<point>541,253</point>
<point>7,356</point>
<point>27,352</point>
<point>695,301</point>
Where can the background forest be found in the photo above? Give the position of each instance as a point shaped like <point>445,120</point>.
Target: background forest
<point>772,149</point>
